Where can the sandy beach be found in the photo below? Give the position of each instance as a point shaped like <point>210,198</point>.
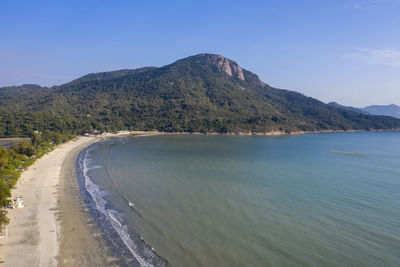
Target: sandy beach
<point>54,227</point>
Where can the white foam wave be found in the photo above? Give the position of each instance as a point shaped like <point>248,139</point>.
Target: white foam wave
<point>111,215</point>
<point>89,168</point>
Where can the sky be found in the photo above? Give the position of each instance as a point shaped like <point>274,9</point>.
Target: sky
<point>333,50</point>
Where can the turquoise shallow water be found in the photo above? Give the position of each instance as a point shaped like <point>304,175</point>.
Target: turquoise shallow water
<point>257,201</point>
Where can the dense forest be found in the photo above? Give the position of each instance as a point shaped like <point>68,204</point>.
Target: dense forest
<point>202,93</point>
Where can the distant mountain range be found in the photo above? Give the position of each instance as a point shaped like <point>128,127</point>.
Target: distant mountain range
<point>201,93</point>
<point>388,110</point>
<point>384,110</point>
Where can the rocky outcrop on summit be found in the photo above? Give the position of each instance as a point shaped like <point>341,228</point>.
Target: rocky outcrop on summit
<point>228,66</point>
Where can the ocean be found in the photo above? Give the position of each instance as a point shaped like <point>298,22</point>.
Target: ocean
<point>197,200</point>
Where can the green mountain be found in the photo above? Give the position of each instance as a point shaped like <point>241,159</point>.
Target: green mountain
<point>202,93</point>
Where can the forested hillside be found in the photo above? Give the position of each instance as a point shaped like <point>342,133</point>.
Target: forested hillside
<point>202,93</point>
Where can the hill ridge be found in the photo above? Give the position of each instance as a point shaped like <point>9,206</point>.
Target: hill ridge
<point>200,93</point>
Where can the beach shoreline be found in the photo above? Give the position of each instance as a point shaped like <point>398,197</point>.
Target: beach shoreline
<point>34,231</point>
<point>80,242</point>
<point>269,133</point>
<point>55,227</point>
<point>112,237</point>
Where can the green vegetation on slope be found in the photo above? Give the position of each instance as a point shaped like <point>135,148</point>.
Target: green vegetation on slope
<point>203,93</point>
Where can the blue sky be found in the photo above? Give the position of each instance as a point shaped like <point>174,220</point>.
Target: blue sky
<point>334,50</point>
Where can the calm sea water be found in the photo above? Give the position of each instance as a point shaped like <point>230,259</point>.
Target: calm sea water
<point>254,201</point>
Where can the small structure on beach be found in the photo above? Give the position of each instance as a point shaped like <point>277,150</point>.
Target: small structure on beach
<point>19,202</point>
<point>5,234</point>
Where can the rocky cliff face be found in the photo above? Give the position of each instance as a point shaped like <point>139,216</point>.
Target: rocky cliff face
<point>228,66</point>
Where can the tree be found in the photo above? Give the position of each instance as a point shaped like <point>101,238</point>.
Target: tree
<point>25,148</point>
<point>3,157</point>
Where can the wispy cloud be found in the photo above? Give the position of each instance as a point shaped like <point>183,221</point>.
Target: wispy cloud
<point>362,6</point>
<point>368,4</point>
<point>389,56</point>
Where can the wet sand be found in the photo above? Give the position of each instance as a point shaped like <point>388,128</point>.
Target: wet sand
<point>81,243</point>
